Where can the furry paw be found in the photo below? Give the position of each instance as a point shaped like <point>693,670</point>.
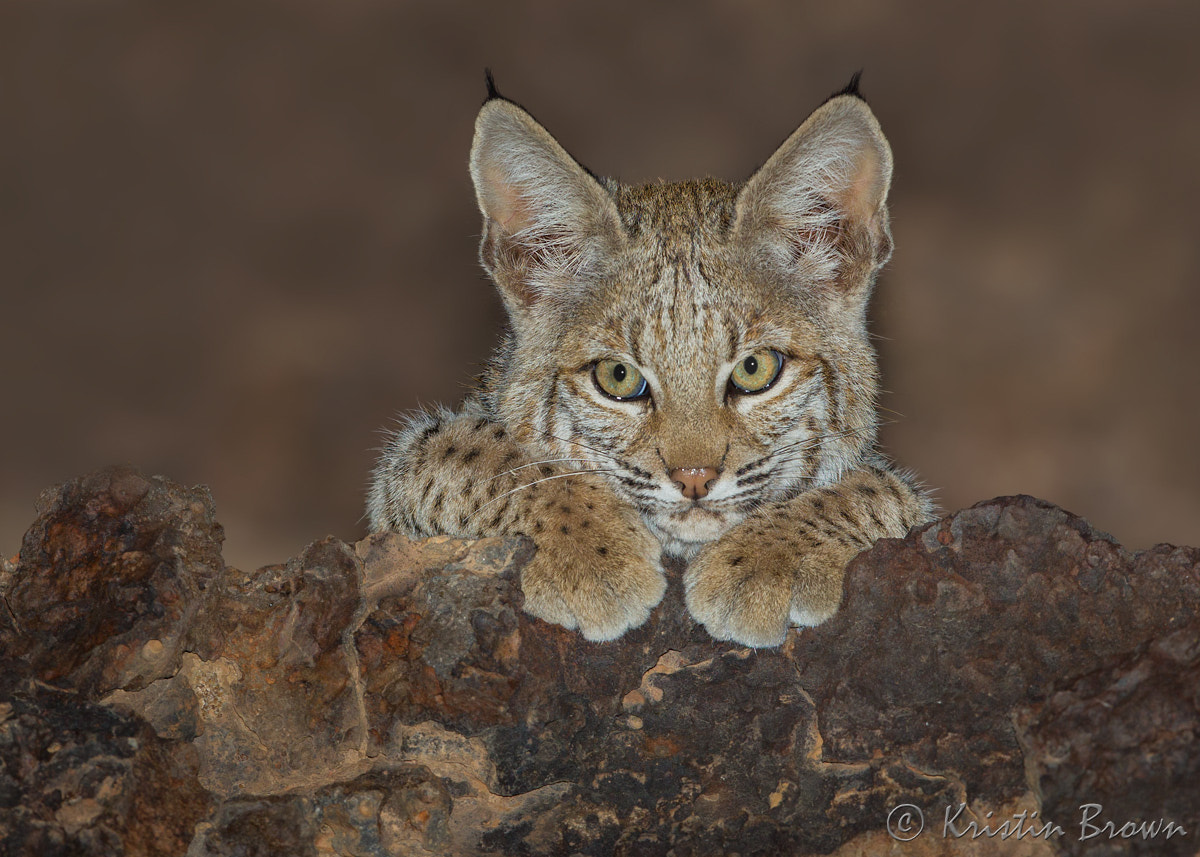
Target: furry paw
<point>750,589</point>
<point>597,568</point>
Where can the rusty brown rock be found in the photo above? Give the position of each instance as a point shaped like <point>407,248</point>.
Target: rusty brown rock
<point>109,579</point>
<point>393,698</point>
<point>77,777</point>
<point>944,635</point>
<point>272,701</point>
<point>1124,739</point>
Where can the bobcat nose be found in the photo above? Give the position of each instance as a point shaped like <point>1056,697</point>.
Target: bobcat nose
<point>693,482</point>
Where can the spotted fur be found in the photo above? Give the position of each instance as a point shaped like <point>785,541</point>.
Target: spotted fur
<point>682,282</point>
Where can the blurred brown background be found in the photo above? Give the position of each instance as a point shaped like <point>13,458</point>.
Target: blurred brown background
<point>237,238</point>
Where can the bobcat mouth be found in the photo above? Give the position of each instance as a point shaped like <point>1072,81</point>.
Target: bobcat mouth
<point>694,523</point>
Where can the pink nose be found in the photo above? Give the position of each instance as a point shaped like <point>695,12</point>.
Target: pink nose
<point>693,481</point>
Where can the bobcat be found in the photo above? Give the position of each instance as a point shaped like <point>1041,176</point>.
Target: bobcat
<point>687,370</point>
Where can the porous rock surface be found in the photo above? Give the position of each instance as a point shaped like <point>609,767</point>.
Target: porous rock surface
<point>391,698</point>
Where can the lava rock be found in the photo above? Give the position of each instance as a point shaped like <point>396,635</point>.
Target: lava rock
<point>109,578</point>
<point>81,778</point>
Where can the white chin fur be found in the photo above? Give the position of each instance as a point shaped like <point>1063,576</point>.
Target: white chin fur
<point>683,535</point>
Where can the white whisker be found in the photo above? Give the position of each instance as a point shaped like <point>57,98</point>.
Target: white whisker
<point>539,482</point>
<point>531,464</point>
<point>601,452</point>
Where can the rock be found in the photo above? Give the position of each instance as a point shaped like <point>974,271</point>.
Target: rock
<point>993,613</point>
<point>109,579</point>
<point>77,777</point>
<point>391,697</point>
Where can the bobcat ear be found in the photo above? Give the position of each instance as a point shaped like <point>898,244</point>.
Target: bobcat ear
<point>547,222</point>
<point>820,200</point>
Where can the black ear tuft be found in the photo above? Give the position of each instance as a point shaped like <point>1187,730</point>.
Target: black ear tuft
<point>492,92</point>
<point>850,88</point>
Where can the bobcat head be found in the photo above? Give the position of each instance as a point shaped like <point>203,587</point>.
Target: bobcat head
<point>702,344</point>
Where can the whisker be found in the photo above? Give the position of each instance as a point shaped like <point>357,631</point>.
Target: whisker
<point>538,482</point>
<point>553,436</point>
<point>531,464</point>
<point>810,442</point>
<point>792,452</point>
<point>793,449</point>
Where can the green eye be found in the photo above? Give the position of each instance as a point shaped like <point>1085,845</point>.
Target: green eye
<point>756,372</point>
<point>619,380</point>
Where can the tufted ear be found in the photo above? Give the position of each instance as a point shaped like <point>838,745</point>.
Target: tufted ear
<point>819,202</point>
<point>547,222</point>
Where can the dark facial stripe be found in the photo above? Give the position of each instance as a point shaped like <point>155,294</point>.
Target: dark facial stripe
<point>549,404</point>
<point>755,479</point>
<point>753,465</point>
<point>633,335</point>
<point>634,483</point>
<point>828,376</point>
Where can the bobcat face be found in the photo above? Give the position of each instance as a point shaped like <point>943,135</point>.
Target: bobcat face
<point>718,406</point>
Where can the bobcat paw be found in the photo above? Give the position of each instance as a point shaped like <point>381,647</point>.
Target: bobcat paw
<point>744,590</point>
<point>602,580</point>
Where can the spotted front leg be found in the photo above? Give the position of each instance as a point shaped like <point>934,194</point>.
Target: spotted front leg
<point>596,569</point>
